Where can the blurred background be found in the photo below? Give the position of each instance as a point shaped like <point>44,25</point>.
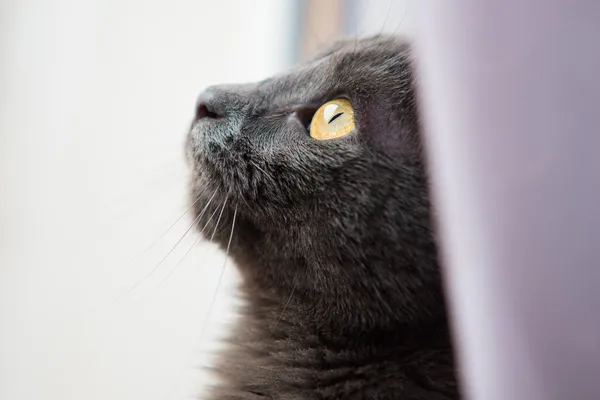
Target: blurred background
<point>103,295</point>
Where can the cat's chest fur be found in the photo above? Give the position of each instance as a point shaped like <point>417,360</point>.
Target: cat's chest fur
<point>274,354</point>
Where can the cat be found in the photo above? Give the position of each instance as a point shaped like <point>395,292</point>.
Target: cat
<point>314,182</point>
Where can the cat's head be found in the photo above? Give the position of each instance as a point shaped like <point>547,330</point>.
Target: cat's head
<point>341,225</point>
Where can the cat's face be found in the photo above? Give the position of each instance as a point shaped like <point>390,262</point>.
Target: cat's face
<point>342,225</point>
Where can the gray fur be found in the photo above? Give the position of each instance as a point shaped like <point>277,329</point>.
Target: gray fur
<point>333,238</point>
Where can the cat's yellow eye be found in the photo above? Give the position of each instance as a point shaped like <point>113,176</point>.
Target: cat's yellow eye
<point>332,120</point>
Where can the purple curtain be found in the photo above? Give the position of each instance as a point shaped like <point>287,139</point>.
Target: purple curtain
<point>511,99</point>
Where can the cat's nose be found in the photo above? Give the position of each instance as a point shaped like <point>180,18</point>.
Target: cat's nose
<point>222,100</point>
<point>207,106</point>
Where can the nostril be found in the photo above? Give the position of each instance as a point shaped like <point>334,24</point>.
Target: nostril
<point>204,110</point>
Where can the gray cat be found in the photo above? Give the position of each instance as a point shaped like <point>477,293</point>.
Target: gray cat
<point>314,182</point>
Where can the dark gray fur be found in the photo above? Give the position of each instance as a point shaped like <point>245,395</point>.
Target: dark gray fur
<point>342,289</point>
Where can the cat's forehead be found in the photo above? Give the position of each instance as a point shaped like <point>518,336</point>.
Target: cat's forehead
<point>358,65</point>
<point>374,46</point>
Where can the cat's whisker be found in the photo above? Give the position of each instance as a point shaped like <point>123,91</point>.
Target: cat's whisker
<point>276,115</point>
<point>194,243</point>
<point>241,197</point>
<point>214,298</point>
<point>387,16</point>
<point>166,256</point>
<point>181,259</point>
<point>379,35</point>
<point>230,236</point>
<point>176,244</point>
<point>210,219</point>
<point>401,20</point>
<point>162,235</point>
<point>287,303</point>
<point>218,219</point>
<point>267,175</point>
<point>200,337</point>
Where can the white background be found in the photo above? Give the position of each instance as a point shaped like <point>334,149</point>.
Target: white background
<point>96,97</point>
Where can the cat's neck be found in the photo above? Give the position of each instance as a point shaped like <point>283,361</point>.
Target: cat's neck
<point>293,321</point>
<point>276,351</point>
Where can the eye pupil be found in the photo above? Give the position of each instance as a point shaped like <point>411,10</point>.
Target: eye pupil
<point>336,116</point>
